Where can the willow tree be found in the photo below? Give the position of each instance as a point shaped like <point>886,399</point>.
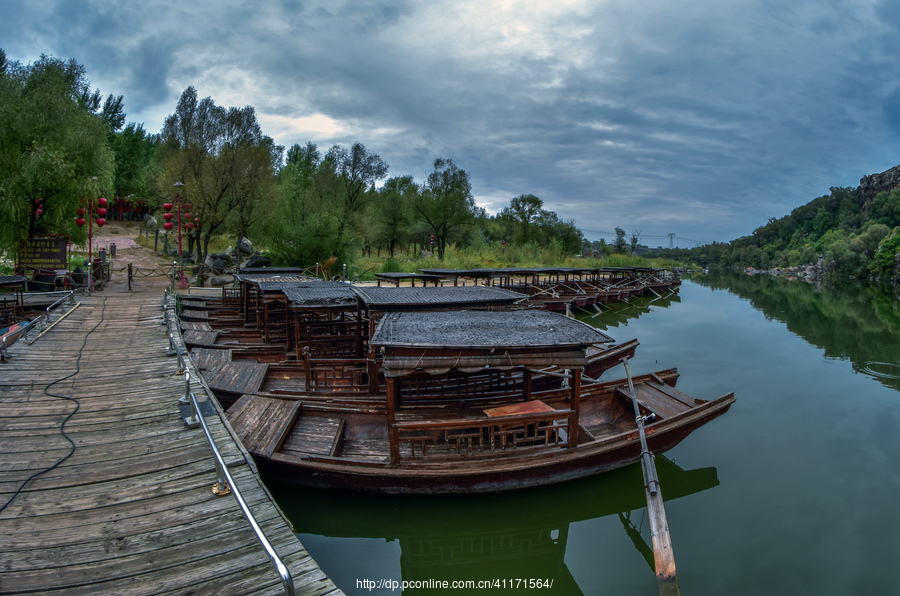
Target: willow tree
<point>446,203</point>
<point>221,157</point>
<point>303,227</point>
<point>53,148</point>
<point>358,170</point>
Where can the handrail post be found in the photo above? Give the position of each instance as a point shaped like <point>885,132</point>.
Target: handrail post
<point>193,421</point>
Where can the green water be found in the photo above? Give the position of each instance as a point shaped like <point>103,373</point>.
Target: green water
<point>792,492</point>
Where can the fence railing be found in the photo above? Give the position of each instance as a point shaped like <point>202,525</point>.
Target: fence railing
<point>224,481</point>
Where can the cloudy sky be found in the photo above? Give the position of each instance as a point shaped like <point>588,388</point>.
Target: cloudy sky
<point>699,118</point>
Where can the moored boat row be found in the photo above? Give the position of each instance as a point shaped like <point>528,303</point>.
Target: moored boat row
<point>429,389</point>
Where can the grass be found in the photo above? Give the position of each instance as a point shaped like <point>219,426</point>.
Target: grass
<point>484,256</point>
<point>493,257</point>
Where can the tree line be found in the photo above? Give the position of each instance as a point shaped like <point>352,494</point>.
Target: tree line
<point>848,233</point>
<point>62,144</point>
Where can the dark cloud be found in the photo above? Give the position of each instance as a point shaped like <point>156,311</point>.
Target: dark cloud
<point>702,119</point>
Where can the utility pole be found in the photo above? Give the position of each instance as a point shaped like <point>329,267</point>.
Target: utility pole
<point>671,240</point>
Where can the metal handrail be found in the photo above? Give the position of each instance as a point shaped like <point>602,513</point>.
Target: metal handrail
<point>286,579</point>
<point>224,476</point>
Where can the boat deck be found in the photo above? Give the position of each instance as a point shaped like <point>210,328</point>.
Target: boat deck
<point>129,509</point>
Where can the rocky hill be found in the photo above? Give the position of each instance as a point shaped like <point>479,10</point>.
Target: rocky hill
<point>871,185</point>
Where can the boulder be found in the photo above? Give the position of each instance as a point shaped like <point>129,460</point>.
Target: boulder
<point>217,265</point>
<point>258,261</point>
<point>221,280</point>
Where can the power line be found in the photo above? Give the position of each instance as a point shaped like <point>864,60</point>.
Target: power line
<point>671,237</point>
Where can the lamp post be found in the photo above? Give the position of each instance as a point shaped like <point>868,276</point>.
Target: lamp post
<point>179,206</point>
<point>101,221</point>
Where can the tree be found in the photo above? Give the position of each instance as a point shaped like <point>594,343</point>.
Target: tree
<point>135,154</point>
<point>446,204</point>
<point>634,240</point>
<point>393,211</point>
<point>358,170</point>
<point>53,149</point>
<point>620,244</point>
<point>524,209</point>
<point>221,157</point>
<point>303,227</point>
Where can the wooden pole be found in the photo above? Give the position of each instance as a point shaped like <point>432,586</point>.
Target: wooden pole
<point>664,558</point>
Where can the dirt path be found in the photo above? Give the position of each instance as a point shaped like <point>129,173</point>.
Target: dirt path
<point>151,270</point>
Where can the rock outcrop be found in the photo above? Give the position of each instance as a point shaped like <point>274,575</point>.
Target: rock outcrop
<point>871,185</point>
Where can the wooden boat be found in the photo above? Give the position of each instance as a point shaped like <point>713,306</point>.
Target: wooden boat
<point>562,289</point>
<point>450,402</point>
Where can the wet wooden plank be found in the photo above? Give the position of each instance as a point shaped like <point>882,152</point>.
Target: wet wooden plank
<point>652,397</point>
<point>130,510</point>
<point>313,435</point>
<point>206,358</point>
<point>195,326</point>
<point>239,376</point>
<point>200,338</point>
<point>262,422</point>
<point>195,315</point>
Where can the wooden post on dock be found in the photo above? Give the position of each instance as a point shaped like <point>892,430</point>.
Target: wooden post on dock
<point>663,557</point>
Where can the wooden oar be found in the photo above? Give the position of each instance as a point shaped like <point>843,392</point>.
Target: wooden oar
<point>664,558</point>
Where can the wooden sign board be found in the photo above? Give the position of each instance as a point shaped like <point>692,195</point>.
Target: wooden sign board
<point>44,252</point>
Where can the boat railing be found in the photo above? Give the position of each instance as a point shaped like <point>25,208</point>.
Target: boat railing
<point>484,435</point>
<point>339,374</point>
<point>485,385</point>
<point>224,481</point>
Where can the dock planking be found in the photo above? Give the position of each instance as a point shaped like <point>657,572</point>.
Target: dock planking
<point>129,509</point>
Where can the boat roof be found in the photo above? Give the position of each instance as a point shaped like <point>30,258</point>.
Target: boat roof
<point>508,271</point>
<point>431,298</point>
<point>483,329</point>
<point>270,270</point>
<point>321,294</point>
<point>470,341</point>
<point>452,273</point>
<point>12,280</point>
<point>399,276</point>
<point>257,275</point>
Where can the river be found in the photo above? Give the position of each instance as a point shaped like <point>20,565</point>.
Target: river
<point>791,492</point>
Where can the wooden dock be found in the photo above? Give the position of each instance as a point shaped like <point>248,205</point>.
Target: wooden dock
<point>104,489</point>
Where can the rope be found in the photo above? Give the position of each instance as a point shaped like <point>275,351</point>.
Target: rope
<point>62,427</point>
<point>137,271</point>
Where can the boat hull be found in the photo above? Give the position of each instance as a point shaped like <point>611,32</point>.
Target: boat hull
<point>494,474</point>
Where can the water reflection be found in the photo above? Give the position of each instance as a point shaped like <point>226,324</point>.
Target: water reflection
<point>509,535</point>
<point>848,320</point>
<point>615,314</point>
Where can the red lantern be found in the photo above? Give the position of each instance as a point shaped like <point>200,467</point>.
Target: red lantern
<point>168,225</point>
<point>101,211</point>
<point>188,206</point>
<point>80,221</point>
<point>101,201</point>
<point>167,206</point>
<point>101,222</point>
<point>39,211</point>
<point>80,211</point>
<point>188,215</point>
<point>189,226</point>
<point>168,216</point>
